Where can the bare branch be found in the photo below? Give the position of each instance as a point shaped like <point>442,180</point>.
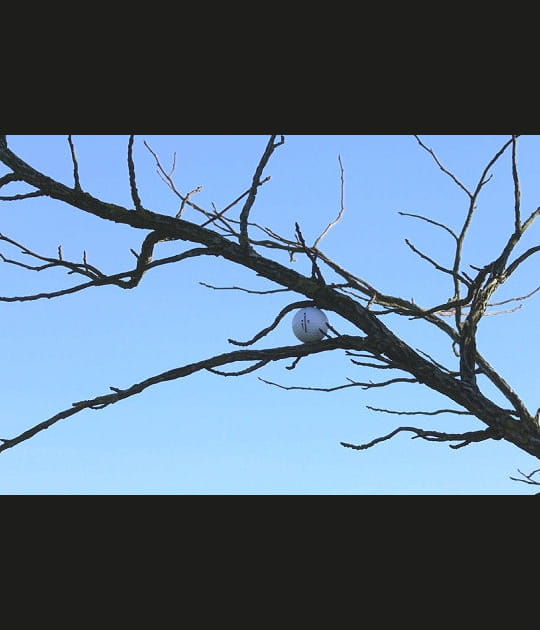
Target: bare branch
<point>516,299</point>
<point>254,367</point>
<point>458,412</point>
<point>290,245</point>
<point>293,364</point>
<point>10,177</point>
<point>37,193</point>
<point>351,383</point>
<point>493,304</point>
<point>341,208</point>
<point>186,199</point>
<point>51,294</point>
<point>77,183</point>
<point>436,265</point>
<point>439,365</point>
<point>443,169</point>
<point>132,182</point>
<point>279,317</point>
<point>528,478</point>
<point>312,389</point>
<point>441,225</point>
<point>315,271</point>
<point>210,286</point>
<point>244,214</point>
<point>483,292</point>
<point>467,349</point>
<point>432,436</point>
<point>531,218</point>
<point>219,215</point>
<point>390,366</point>
<point>87,270</point>
<point>167,177</point>
<point>271,354</point>
<point>144,263</point>
<point>457,304</point>
<point>517,193</point>
<point>511,268</point>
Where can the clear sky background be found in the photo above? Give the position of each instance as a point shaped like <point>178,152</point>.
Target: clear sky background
<point>208,434</point>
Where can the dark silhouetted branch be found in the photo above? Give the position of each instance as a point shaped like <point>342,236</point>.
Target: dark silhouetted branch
<point>244,214</point>
<point>76,181</point>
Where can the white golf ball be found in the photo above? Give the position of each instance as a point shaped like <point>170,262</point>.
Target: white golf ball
<point>309,324</point>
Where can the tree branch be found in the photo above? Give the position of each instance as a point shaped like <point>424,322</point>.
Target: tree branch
<point>341,208</point>
<point>244,214</point>
<point>98,278</point>
<point>278,318</point>
<point>345,386</point>
<point>76,180</point>
<point>132,181</point>
<point>432,436</point>
<point>265,355</point>
<point>458,412</point>
<point>379,340</point>
<point>528,478</point>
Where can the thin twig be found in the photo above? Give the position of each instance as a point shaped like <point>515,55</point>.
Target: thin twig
<point>220,214</point>
<point>315,271</point>
<point>351,383</point>
<point>528,478</point>
<point>441,225</point>
<point>132,182</point>
<point>341,208</point>
<point>252,368</point>
<point>430,436</point>
<point>77,183</point>
<point>278,318</point>
<point>458,412</point>
<point>210,286</point>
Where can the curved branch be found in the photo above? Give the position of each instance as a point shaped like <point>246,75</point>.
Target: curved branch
<point>341,209</point>
<point>451,272</point>
<point>432,436</point>
<point>10,177</point>
<point>443,169</point>
<point>267,355</point>
<point>441,225</point>
<point>252,368</point>
<point>279,317</point>
<point>135,276</point>
<point>514,265</point>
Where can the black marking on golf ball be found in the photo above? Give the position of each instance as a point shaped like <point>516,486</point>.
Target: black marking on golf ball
<point>305,322</point>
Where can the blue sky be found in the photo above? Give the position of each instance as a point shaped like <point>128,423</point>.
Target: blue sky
<point>208,434</point>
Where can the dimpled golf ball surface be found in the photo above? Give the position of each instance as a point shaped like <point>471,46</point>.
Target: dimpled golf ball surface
<point>309,324</point>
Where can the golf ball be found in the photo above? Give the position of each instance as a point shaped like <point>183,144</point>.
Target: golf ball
<point>309,324</point>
